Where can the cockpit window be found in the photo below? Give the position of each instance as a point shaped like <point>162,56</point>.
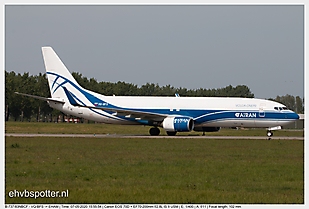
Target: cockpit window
<point>280,108</point>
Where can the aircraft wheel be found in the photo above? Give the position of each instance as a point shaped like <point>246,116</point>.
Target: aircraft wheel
<point>171,133</point>
<point>154,131</point>
<point>269,134</point>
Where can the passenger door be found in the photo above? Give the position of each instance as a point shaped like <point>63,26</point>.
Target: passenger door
<point>262,110</point>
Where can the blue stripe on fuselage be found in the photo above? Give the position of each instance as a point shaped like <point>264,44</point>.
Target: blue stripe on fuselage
<point>200,116</point>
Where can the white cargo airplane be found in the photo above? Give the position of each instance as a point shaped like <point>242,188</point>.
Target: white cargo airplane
<point>174,114</point>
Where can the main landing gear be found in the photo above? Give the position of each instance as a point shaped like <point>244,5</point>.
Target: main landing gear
<point>155,131</point>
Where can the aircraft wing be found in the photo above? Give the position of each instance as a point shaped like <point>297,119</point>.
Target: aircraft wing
<point>42,98</point>
<point>139,115</point>
<point>129,113</point>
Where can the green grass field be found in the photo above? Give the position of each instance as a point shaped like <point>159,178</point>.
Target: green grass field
<point>98,128</point>
<point>121,170</point>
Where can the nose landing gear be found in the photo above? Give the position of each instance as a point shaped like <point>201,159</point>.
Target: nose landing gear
<point>269,134</point>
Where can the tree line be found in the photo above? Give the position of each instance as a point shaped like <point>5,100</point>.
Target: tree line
<point>22,108</point>
<point>150,89</point>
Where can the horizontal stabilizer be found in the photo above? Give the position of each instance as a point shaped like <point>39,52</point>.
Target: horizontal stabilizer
<point>42,98</point>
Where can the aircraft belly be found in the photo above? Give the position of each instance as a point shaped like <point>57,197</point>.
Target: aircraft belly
<point>231,123</point>
<point>248,123</point>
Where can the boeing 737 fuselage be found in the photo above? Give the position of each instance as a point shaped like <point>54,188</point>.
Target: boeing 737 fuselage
<point>174,114</point>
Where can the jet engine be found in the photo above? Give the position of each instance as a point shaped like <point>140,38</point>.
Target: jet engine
<point>179,124</point>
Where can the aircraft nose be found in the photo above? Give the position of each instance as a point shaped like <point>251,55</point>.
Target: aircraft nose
<point>294,116</point>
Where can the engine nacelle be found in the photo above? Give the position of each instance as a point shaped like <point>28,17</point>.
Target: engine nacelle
<point>207,129</point>
<point>179,124</point>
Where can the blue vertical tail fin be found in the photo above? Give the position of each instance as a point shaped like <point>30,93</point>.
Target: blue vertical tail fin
<point>57,73</point>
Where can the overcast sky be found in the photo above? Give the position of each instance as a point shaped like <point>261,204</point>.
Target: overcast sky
<point>184,46</point>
